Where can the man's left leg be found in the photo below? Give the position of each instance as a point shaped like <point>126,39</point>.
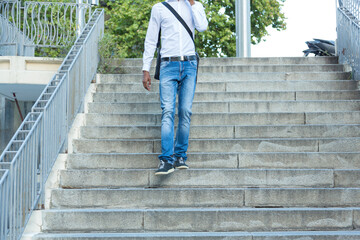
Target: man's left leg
<point>186,93</point>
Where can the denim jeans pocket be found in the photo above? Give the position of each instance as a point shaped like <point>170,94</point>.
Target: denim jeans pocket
<point>164,64</point>
<point>193,63</point>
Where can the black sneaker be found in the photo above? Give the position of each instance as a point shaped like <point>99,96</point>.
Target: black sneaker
<point>164,168</point>
<point>180,163</point>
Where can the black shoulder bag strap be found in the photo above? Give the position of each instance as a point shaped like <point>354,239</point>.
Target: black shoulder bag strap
<point>181,20</point>
<point>158,58</point>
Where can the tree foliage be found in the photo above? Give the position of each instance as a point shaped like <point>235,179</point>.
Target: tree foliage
<point>128,21</point>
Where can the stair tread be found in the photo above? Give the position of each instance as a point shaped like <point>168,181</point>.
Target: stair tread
<point>184,188</point>
<point>238,82</point>
<point>226,139</point>
<point>202,234</point>
<point>204,209</point>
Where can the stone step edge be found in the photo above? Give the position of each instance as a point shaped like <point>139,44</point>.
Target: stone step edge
<point>99,75</point>
<point>289,209</point>
<point>178,188</point>
<point>333,170</point>
<point>236,82</point>
<point>155,235</point>
<point>211,113</point>
<point>253,101</point>
<point>215,153</point>
<point>268,160</point>
<point>243,101</point>
<point>221,139</point>
<point>224,59</point>
<point>257,65</point>
<point>233,125</point>
<point>276,91</point>
<point>230,113</point>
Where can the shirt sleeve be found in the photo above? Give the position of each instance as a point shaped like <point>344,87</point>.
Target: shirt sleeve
<point>151,38</point>
<point>201,23</point>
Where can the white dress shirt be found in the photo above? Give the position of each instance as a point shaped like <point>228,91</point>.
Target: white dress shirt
<point>175,40</point>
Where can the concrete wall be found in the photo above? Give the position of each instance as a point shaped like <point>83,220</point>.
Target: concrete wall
<point>6,125</point>
<point>28,70</point>
<point>26,77</point>
<point>10,119</point>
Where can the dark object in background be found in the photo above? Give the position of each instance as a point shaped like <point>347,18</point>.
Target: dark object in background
<point>320,47</point>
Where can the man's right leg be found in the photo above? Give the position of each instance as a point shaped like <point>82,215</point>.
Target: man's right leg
<point>169,72</point>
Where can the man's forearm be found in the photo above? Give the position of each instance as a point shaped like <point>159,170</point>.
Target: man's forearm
<point>199,15</point>
<point>151,39</point>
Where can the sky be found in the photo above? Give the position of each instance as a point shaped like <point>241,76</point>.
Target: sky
<point>306,19</point>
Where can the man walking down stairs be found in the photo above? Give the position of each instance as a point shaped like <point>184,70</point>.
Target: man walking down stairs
<point>274,154</point>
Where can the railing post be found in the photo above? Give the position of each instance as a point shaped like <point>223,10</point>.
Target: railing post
<point>80,16</point>
<point>336,40</point>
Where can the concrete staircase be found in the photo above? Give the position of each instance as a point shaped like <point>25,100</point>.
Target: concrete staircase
<point>274,154</point>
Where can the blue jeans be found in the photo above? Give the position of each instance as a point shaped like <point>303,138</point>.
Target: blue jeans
<point>176,78</point>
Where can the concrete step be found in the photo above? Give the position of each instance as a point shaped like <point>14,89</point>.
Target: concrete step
<point>221,145</point>
<point>277,160</point>
<point>224,132</point>
<point>242,61</point>
<point>149,160</point>
<point>231,96</point>
<point>244,119</point>
<point>253,68</point>
<point>325,160</point>
<point>204,197</point>
<point>298,235</point>
<point>208,178</point>
<point>233,77</point>
<point>231,86</point>
<point>233,107</point>
<point>146,198</point>
<point>201,220</point>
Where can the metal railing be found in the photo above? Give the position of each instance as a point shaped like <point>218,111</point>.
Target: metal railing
<point>53,24</point>
<point>24,26</point>
<point>10,15</point>
<point>37,143</point>
<point>353,6</point>
<point>348,32</point>
<point>12,38</point>
<point>4,198</point>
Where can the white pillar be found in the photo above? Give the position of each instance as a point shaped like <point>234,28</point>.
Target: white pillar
<point>243,28</point>
<point>80,16</point>
<point>336,25</point>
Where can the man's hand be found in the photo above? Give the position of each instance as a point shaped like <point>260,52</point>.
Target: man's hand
<point>192,2</point>
<point>146,80</point>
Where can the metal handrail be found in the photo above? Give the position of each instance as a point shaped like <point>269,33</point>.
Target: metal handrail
<point>352,6</point>
<point>348,32</point>
<point>32,151</point>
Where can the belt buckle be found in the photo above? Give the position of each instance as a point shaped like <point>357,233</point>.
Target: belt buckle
<point>182,58</point>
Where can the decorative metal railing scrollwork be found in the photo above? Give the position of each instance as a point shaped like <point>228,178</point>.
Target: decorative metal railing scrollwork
<point>53,24</point>
<point>9,17</point>
<point>41,24</point>
<point>348,32</point>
